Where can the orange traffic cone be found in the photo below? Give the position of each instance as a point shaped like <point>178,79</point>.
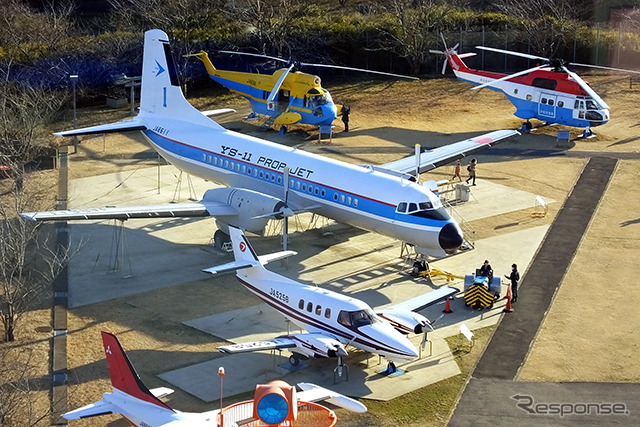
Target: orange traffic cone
<point>508,296</point>
<point>447,307</point>
<point>508,308</point>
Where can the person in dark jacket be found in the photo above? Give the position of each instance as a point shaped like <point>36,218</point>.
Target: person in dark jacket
<point>515,278</point>
<point>346,110</point>
<point>486,270</point>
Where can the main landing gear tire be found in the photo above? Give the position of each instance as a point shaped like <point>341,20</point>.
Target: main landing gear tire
<point>294,359</point>
<point>220,238</point>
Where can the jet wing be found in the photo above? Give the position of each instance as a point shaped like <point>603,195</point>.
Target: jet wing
<point>169,210</point>
<point>425,300</point>
<point>91,410</point>
<point>313,393</point>
<point>431,159</point>
<point>273,344</point>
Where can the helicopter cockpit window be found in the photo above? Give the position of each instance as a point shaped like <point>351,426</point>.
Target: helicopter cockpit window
<point>591,105</point>
<point>356,319</point>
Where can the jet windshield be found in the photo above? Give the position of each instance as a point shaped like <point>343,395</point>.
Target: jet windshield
<point>431,209</point>
<point>355,319</point>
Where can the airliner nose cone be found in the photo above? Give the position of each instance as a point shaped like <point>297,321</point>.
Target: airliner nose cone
<point>450,237</point>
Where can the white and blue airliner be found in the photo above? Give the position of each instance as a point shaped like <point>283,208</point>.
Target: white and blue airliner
<point>267,180</point>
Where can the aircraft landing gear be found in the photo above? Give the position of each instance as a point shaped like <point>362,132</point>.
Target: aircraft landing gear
<point>283,130</point>
<point>219,239</point>
<point>294,359</point>
<point>340,370</point>
<point>587,133</point>
<point>391,368</point>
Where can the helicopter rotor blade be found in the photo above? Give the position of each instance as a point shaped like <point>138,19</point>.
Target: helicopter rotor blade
<point>510,76</point>
<point>444,42</point>
<point>276,88</point>
<point>587,89</point>
<point>232,52</point>
<point>602,67</point>
<point>308,64</point>
<point>509,52</point>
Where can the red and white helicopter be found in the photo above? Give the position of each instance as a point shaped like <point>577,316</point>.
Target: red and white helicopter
<point>549,91</point>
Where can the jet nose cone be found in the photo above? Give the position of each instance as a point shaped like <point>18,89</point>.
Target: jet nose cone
<point>450,237</point>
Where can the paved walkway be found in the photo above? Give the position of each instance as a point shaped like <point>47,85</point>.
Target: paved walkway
<point>492,396</point>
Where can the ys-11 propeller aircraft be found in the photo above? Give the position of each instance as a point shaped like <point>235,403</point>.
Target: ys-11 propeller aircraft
<point>143,407</point>
<point>268,180</point>
<point>286,96</point>
<point>549,92</point>
<point>332,320</point>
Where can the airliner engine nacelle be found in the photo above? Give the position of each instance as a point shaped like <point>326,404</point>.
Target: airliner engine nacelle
<point>253,209</point>
<point>407,321</point>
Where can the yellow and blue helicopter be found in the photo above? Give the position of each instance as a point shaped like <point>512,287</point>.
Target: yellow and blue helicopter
<point>286,96</point>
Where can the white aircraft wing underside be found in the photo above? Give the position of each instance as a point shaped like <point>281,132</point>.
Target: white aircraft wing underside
<point>431,159</point>
<point>169,210</point>
<point>276,343</point>
<point>425,300</point>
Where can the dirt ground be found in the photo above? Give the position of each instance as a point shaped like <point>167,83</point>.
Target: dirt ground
<point>592,319</point>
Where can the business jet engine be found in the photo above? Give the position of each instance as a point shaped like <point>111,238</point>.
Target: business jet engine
<point>406,322</point>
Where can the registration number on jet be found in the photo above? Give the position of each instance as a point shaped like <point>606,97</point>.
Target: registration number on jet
<point>279,295</point>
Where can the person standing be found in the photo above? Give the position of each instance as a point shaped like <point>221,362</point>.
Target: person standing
<point>515,278</point>
<point>345,117</point>
<point>472,171</point>
<point>456,172</point>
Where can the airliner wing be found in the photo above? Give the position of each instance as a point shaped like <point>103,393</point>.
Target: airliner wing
<point>431,159</point>
<point>273,344</point>
<point>425,300</point>
<point>169,210</point>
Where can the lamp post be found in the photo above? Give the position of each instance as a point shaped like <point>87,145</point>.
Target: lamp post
<point>221,374</point>
<point>74,79</point>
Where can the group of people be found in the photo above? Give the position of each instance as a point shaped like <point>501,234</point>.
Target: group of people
<point>486,271</point>
<point>471,169</point>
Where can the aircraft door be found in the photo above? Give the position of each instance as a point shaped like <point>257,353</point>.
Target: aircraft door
<point>283,100</point>
<point>547,106</point>
<point>579,109</point>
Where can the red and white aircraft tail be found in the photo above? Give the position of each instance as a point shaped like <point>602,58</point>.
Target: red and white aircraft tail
<point>130,396</point>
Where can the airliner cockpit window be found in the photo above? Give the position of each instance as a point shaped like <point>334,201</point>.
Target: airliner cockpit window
<point>358,318</point>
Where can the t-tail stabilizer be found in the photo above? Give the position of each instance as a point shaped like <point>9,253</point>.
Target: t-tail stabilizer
<point>245,256</point>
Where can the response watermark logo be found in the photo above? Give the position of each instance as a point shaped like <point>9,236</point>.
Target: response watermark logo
<point>526,403</point>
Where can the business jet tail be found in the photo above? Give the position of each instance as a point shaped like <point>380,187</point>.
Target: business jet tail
<point>125,381</point>
<point>245,256</point>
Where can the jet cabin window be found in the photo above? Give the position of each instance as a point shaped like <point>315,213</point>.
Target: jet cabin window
<point>358,318</point>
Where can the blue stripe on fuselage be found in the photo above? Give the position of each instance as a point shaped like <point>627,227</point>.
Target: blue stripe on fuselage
<point>271,186</point>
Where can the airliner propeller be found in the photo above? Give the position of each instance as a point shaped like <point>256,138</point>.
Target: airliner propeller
<point>298,64</point>
<point>559,65</point>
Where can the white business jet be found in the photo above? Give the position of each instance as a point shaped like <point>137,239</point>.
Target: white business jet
<point>143,407</point>
<point>268,180</point>
<point>332,320</point>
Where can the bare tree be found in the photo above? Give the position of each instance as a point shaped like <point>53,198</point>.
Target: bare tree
<point>271,22</point>
<point>548,25</point>
<point>416,25</point>
<point>21,403</point>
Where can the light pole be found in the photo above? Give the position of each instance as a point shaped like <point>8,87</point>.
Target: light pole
<point>221,374</point>
<point>74,79</point>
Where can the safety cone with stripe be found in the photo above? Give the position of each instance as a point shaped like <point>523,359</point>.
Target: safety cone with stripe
<point>447,307</point>
<point>508,295</point>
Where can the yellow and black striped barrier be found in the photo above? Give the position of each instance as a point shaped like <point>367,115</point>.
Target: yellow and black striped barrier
<point>479,296</point>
